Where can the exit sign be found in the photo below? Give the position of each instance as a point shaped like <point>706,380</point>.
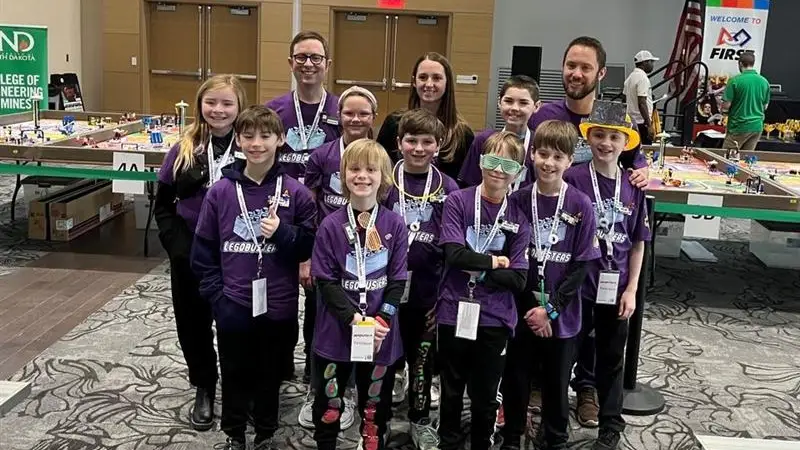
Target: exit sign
<point>392,4</point>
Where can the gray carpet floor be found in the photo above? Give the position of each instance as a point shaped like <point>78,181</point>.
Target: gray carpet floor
<point>721,342</point>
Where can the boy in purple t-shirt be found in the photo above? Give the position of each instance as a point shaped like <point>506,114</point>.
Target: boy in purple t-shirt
<point>360,268</point>
<point>485,237</point>
<point>418,195</point>
<point>255,227</point>
<point>562,245</point>
<point>613,279</point>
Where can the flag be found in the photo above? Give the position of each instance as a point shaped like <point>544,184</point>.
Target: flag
<point>687,49</point>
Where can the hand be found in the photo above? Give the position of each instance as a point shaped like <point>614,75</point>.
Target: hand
<point>305,274</point>
<point>627,305</point>
<point>380,331</point>
<point>640,177</point>
<point>270,223</point>
<point>500,262</point>
<point>545,332</point>
<point>430,319</point>
<point>537,319</point>
<point>356,319</point>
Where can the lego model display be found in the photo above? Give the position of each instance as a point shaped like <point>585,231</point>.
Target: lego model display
<point>689,172</point>
<point>159,133</point>
<point>49,130</point>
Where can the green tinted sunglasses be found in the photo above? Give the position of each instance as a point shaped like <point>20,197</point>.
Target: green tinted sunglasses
<point>507,166</point>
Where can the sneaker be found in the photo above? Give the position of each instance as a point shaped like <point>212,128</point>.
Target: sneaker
<point>535,402</point>
<point>424,435</point>
<point>500,421</point>
<point>306,417</point>
<point>606,440</point>
<point>400,386</point>
<point>231,444</point>
<point>588,408</point>
<point>435,393</point>
<point>264,444</point>
<point>348,416</point>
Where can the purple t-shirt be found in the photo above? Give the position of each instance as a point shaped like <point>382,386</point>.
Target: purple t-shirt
<point>222,221</point>
<point>322,176</point>
<point>334,260</point>
<point>559,111</point>
<point>187,208</point>
<point>425,257</point>
<point>575,243</point>
<point>292,155</point>
<point>630,224</point>
<point>497,306</point>
<point>471,175</point>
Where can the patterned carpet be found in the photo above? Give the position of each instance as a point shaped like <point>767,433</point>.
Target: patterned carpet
<point>721,342</point>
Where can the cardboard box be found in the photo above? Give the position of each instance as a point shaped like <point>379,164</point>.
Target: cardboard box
<point>776,244</point>
<point>36,186</point>
<point>669,235</point>
<point>39,210</point>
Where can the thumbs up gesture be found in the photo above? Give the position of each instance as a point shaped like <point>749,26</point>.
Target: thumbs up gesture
<point>270,223</point>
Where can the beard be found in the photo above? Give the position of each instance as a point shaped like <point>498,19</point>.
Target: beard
<point>583,92</point>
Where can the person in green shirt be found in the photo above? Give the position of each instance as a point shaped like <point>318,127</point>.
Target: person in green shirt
<point>745,99</point>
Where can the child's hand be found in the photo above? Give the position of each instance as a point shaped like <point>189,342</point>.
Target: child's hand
<point>380,331</point>
<point>305,274</point>
<point>500,262</point>
<point>639,177</point>
<point>356,319</point>
<point>627,305</point>
<point>537,319</point>
<point>270,223</point>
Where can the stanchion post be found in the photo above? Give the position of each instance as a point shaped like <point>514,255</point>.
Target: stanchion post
<point>640,400</point>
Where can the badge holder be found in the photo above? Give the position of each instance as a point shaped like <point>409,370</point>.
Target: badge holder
<point>259,292</point>
<point>362,339</point>
<point>608,282</point>
<point>469,313</point>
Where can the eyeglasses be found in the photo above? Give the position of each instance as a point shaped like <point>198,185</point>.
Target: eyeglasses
<point>301,58</point>
<point>507,166</point>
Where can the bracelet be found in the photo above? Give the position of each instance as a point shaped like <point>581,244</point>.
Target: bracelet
<point>551,311</point>
<point>388,309</point>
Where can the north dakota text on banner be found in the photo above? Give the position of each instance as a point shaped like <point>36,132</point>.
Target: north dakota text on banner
<point>23,67</point>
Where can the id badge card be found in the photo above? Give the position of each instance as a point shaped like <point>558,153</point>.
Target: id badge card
<point>362,341</point>
<point>469,314</point>
<point>607,287</point>
<point>407,289</point>
<point>259,297</point>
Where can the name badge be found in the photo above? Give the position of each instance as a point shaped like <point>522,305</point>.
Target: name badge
<point>259,297</point>
<point>404,298</point>
<point>509,226</point>
<point>607,287</point>
<point>469,313</point>
<point>569,218</point>
<point>329,120</point>
<point>362,341</point>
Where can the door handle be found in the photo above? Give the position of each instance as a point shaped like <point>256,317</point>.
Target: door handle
<point>394,53</point>
<point>401,85</point>
<point>362,83</point>
<point>208,42</point>
<point>200,42</point>
<point>386,54</point>
<point>181,73</point>
<point>241,76</point>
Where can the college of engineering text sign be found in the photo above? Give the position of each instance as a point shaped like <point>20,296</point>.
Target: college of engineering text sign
<point>23,67</point>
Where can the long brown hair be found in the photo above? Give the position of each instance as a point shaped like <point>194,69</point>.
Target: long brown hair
<point>447,113</point>
<point>198,132</point>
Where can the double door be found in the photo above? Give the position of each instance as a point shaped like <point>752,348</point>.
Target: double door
<point>378,51</point>
<point>189,43</point>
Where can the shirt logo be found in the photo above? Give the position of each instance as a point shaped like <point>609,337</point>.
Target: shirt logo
<point>294,158</point>
<point>414,211</point>
<point>248,247</point>
<point>315,139</point>
<point>372,285</point>
<point>496,245</point>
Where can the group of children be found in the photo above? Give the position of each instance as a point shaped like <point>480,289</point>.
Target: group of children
<point>483,282</point>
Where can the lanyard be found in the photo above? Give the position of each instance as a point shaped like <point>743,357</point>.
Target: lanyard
<point>414,227</point>
<point>215,173</point>
<point>361,255</point>
<point>522,175</point>
<point>495,228</point>
<point>304,137</point>
<point>341,149</point>
<point>249,224</point>
<point>603,223</point>
<point>552,238</point>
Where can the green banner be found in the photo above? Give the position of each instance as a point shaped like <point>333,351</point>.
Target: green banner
<point>23,68</point>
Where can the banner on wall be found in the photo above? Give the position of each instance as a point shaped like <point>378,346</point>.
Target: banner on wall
<point>731,27</point>
<point>23,68</point>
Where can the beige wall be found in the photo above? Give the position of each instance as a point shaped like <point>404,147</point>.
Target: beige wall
<point>63,21</point>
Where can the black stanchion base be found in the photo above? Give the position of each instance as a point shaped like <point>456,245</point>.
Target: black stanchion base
<point>642,400</point>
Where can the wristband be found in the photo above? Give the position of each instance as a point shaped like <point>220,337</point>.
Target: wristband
<point>388,309</point>
<point>380,320</point>
<point>551,311</point>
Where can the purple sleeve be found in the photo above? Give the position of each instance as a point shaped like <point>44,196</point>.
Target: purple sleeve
<point>518,249</point>
<point>587,247</point>
<point>313,175</point>
<point>323,258</point>
<point>453,223</point>
<point>398,265</point>
<point>640,231</point>
<point>470,174</point>
<point>207,221</point>
<point>165,174</point>
<point>450,185</point>
<point>205,258</point>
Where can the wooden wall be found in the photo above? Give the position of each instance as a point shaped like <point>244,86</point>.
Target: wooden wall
<point>125,86</point>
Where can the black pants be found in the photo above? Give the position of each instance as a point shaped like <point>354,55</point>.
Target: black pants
<point>585,355</point>
<point>420,349</point>
<point>193,322</point>
<point>644,134</point>
<point>374,387</point>
<point>478,366</point>
<point>309,317</point>
<point>247,359</point>
<point>526,352</point>
<point>611,334</point>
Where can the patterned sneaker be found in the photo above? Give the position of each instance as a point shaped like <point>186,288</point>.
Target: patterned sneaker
<point>435,393</point>
<point>588,408</point>
<point>348,416</point>
<point>306,418</point>
<point>424,435</point>
<point>500,421</point>
<point>400,386</point>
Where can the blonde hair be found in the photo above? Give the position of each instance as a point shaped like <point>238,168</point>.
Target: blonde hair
<point>198,132</point>
<point>508,142</point>
<point>369,153</point>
